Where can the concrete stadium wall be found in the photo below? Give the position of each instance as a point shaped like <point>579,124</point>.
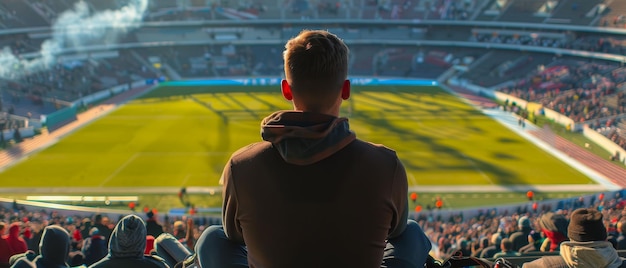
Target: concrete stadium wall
<point>25,132</point>
<point>604,142</point>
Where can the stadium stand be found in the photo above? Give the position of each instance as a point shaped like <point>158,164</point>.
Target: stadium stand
<point>615,15</point>
<point>460,231</point>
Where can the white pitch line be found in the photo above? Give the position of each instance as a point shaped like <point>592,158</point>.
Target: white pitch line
<point>119,169</point>
<point>186,179</point>
<point>451,189</point>
<point>183,153</point>
<point>477,168</point>
<point>412,178</point>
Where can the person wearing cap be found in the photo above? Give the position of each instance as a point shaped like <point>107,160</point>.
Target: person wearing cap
<point>587,246</point>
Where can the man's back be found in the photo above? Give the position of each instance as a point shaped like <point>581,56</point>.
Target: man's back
<point>336,212</point>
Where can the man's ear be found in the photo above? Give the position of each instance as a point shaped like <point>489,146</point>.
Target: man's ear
<point>345,90</point>
<point>286,90</point>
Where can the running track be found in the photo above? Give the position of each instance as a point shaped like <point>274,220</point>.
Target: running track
<point>610,170</point>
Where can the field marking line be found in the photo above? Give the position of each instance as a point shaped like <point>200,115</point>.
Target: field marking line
<point>477,168</point>
<point>182,153</point>
<point>186,179</point>
<point>412,179</point>
<point>441,189</point>
<point>119,169</point>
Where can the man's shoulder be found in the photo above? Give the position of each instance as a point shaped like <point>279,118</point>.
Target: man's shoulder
<point>547,261</point>
<point>251,150</point>
<point>374,148</point>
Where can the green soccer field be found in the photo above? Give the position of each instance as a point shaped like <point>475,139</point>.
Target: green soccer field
<point>183,136</point>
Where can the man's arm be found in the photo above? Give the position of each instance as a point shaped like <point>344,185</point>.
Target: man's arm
<point>230,206</point>
<point>399,192</point>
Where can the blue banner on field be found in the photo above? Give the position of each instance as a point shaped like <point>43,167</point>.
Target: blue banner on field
<point>392,82</point>
<point>266,81</point>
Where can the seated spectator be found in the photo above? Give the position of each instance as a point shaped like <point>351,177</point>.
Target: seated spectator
<point>154,228</point>
<point>16,242</point>
<point>127,245</point>
<point>534,243</point>
<point>94,247</point>
<point>554,227</point>
<point>149,245</point>
<point>100,223</point>
<point>621,237</point>
<point>170,249</point>
<point>54,249</point>
<point>520,238</point>
<point>5,248</point>
<point>480,246</point>
<point>507,250</point>
<point>587,246</point>
<point>493,248</point>
<point>76,259</point>
<point>36,227</point>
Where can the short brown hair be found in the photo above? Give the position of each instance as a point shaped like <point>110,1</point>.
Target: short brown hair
<point>316,65</point>
<point>506,244</point>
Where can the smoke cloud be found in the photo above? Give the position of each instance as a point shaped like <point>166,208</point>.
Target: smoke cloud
<point>75,29</point>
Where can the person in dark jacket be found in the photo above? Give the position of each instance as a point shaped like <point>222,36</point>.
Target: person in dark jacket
<point>587,247</point>
<point>534,243</point>
<point>311,194</point>
<point>54,250</point>
<point>127,246</point>
<point>152,226</point>
<point>37,230</point>
<point>94,247</point>
<point>520,238</point>
<point>494,246</point>
<point>103,230</point>
<point>480,246</point>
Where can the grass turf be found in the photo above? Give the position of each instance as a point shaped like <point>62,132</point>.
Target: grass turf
<point>183,136</point>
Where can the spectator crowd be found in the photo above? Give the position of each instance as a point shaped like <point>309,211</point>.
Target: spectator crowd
<point>36,238</point>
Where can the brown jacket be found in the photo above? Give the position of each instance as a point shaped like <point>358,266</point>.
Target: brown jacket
<point>312,195</point>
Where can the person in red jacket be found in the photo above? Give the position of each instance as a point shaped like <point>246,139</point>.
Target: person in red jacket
<point>5,249</point>
<point>16,242</point>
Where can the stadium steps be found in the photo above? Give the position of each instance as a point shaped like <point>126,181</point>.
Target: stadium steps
<point>613,172</point>
<point>522,11</point>
<point>573,12</point>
